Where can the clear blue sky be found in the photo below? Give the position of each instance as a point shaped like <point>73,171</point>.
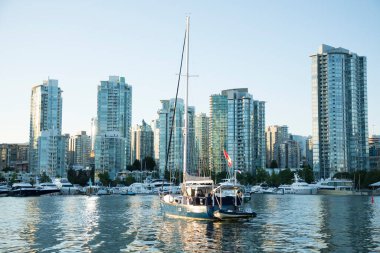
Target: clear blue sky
<point>262,45</point>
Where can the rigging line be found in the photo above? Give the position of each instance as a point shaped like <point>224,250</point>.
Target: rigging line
<point>175,103</point>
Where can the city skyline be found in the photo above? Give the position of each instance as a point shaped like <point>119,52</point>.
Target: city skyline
<point>268,54</point>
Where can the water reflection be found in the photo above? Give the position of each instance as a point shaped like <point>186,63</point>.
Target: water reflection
<point>286,223</point>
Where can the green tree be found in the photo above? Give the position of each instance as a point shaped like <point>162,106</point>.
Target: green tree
<point>44,178</point>
<point>307,174</point>
<point>149,163</point>
<point>261,175</point>
<point>273,164</point>
<point>286,176</point>
<point>274,180</point>
<point>104,178</point>
<point>128,180</point>
<point>136,165</point>
<point>219,176</point>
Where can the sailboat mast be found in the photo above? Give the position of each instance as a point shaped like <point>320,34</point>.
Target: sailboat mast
<point>186,100</point>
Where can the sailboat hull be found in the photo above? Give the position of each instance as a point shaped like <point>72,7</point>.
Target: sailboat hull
<point>187,211</point>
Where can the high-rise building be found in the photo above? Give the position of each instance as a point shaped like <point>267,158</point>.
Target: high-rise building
<point>45,140</point>
<point>374,152</point>
<point>309,151</point>
<point>259,134</point>
<point>289,154</point>
<point>245,129</point>
<point>142,142</point>
<point>274,135</point>
<point>156,139</point>
<point>202,143</point>
<point>339,107</point>
<point>114,113</point>
<point>14,156</point>
<point>165,122</point>
<point>80,150</point>
<point>218,133</point>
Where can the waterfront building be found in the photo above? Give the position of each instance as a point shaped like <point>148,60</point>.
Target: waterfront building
<point>14,156</point>
<point>94,125</point>
<point>259,154</point>
<point>202,143</point>
<point>47,147</point>
<point>165,122</point>
<point>339,111</point>
<point>243,119</point>
<point>309,151</point>
<point>274,135</point>
<point>142,142</point>
<point>374,152</point>
<point>156,139</point>
<point>114,113</point>
<point>289,154</point>
<point>217,132</point>
<point>80,150</point>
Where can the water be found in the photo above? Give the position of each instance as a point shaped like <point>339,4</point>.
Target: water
<point>285,223</point>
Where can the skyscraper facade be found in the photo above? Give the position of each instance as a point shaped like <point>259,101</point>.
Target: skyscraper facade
<point>274,135</point>
<point>47,145</point>
<point>245,129</point>
<point>202,143</point>
<point>289,154</point>
<point>142,142</point>
<point>80,150</point>
<point>339,111</point>
<point>114,113</point>
<point>165,123</point>
<point>217,132</point>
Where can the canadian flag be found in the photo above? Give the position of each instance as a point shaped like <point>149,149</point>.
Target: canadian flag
<point>228,158</point>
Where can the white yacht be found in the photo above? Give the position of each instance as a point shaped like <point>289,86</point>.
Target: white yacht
<point>139,188</point>
<point>47,188</point>
<point>335,186</point>
<point>301,187</point>
<point>66,187</point>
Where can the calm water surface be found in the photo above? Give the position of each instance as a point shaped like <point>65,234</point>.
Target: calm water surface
<point>285,223</point>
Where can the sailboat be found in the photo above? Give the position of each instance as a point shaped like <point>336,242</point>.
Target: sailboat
<point>198,198</point>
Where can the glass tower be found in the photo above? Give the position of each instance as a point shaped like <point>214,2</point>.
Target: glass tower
<point>175,158</point>
<point>45,140</point>
<point>339,111</point>
<point>237,124</point>
<point>114,113</point>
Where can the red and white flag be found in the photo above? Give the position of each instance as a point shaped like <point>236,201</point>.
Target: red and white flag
<point>228,158</point>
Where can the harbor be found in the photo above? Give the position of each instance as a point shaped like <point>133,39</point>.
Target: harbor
<point>117,223</point>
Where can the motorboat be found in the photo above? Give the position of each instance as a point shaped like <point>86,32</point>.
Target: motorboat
<point>139,188</point>
<point>48,188</point>
<point>301,187</point>
<point>334,186</point>
<point>285,189</point>
<point>4,190</point>
<point>66,188</point>
<point>23,190</point>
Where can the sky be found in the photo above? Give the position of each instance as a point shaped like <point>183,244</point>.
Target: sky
<point>264,46</point>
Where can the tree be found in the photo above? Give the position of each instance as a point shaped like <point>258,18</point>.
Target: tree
<point>274,180</point>
<point>261,175</point>
<point>136,165</point>
<point>104,178</point>
<point>44,178</point>
<point>149,163</point>
<point>128,180</point>
<point>286,176</point>
<point>220,176</point>
<point>307,174</point>
<point>273,164</point>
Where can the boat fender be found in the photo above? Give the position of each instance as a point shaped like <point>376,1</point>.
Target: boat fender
<point>168,198</point>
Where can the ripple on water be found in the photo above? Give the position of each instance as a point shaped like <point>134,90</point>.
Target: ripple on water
<point>285,223</point>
